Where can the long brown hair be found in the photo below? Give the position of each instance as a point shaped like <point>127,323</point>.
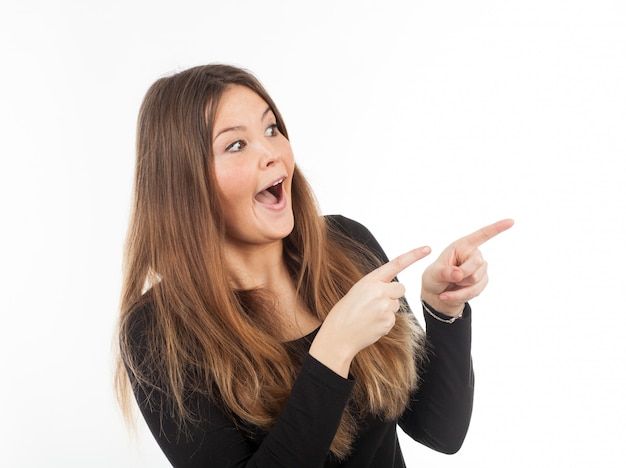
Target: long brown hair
<point>197,322</point>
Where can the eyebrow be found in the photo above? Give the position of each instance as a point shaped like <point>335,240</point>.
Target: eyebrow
<point>240,127</point>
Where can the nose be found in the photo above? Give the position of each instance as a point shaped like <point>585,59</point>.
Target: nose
<point>270,155</point>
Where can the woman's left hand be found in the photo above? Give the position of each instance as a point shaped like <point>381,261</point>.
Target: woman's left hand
<point>460,272</point>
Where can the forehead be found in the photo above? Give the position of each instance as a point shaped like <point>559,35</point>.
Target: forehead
<point>239,103</point>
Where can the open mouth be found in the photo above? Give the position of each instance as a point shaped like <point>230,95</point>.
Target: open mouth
<point>271,195</point>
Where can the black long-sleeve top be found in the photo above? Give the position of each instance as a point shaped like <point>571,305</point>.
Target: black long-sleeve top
<point>437,416</point>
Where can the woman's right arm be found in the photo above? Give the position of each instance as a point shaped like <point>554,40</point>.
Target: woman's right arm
<point>301,437</point>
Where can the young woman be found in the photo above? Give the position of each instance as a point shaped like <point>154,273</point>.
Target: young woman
<point>253,331</point>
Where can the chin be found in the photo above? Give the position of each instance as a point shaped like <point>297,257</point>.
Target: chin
<point>287,229</point>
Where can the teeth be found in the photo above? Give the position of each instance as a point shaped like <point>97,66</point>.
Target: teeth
<point>278,182</point>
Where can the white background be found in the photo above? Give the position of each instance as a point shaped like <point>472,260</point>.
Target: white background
<point>423,120</point>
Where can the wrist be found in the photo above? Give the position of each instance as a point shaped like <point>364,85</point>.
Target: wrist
<point>439,316</point>
<point>443,307</point>
<point>331,353</point>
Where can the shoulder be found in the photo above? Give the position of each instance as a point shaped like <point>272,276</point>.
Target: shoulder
<point>140,317</point>
<point>348,227</point>
<point>355,231</point>
<point>136,331</point>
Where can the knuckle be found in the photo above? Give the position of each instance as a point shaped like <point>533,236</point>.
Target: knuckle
<point>395,290</point>
<point>396,264</point>
<point>379,294</point>
<point>390,322</point>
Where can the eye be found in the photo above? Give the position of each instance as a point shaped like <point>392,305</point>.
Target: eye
<point>236,146</point>
<point>271,131</point>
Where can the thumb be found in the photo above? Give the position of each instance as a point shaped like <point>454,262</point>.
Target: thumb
<point>454,274</point>
<point>441,274</point>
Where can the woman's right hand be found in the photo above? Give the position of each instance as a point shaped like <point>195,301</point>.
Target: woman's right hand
<point>364,315</point>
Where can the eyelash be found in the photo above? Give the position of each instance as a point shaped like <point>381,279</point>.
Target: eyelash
<point>231,148</point>
<point>273,132</point>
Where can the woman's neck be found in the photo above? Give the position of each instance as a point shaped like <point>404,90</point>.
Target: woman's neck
<point>264,267</point>
<point>256,266</point>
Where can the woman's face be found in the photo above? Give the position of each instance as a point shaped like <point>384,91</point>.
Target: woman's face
<point>254,167</point>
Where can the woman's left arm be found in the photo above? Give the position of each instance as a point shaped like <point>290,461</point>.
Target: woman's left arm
<point>440,411</point>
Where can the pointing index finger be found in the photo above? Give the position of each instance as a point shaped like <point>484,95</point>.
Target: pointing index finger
<point>488,232</point>
<point>390,270</point>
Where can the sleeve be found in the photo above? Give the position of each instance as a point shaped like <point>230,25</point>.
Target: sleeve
<point>301,436</point>
<point>439,412</point>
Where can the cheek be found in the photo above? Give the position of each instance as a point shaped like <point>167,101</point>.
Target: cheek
<point>288,157</point>
<point>232,184</point>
